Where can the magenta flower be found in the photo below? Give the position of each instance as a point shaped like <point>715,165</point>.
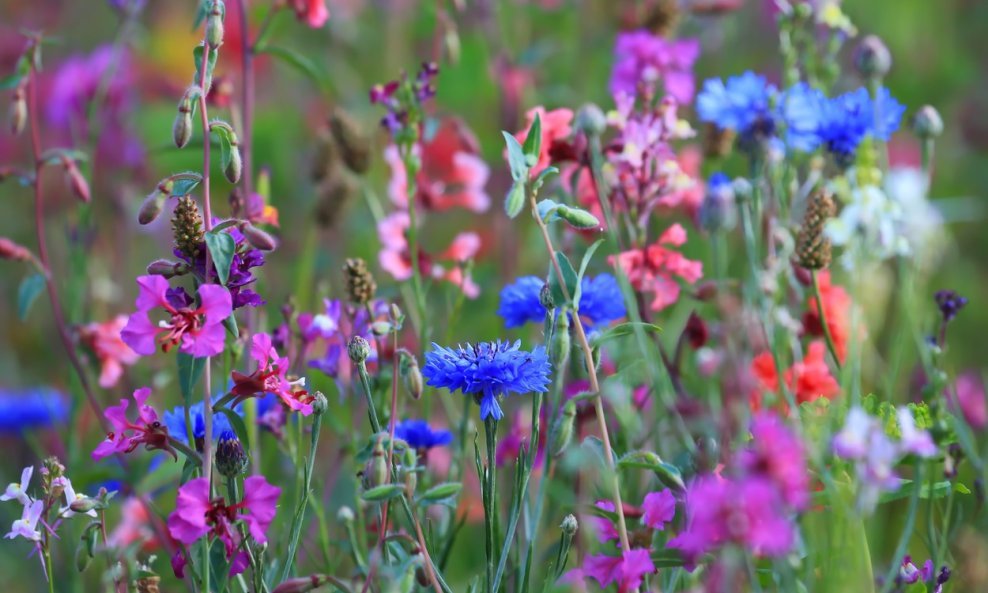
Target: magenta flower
<point>968,398</point>
<point>658,509</point>
<point>641,58</point>
<point>199,330</point>
<point>270,377</point>
<point>605,528</point>
<point>195,515</point>
<point>747,512</point>
<point>626,571</point>
<point>127,435</point>
<point>777,454</point>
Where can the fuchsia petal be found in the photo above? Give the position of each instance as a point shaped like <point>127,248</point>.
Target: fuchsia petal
<point>139,334</point>
<point>660,508</point>
<point>261,500</point>
<point>216,303</point>
<point>151,292</point>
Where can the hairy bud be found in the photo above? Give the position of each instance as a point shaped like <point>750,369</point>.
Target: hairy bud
<point>257,238</point>
<point>235,168</point>
<point>13,251</point>
<point>319,403</point>
<point>345,515</point>
<point>569,525</point>
<point>214,25</point>
<point>564,432</point>
<point>411,375</point>
<point>872,58</point>
<point>231,459</point>
<point>18,112</point>
<point>182,126</point>
<point>927,123</point>
<point>358,349</point>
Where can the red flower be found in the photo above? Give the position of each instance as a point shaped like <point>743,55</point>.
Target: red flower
<point>836,307</point>
<point>808,380</point>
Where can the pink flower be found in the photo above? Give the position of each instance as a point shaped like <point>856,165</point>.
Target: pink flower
<point>556,127</point>
<point>270,377</point>
<point>312,12</point>
<point>779,455</point>
<point>127,435</point>
<point>113,353</point>
<point>626,571</point>
<point>199,330</point>
<point>134,527</point>
<point>968,398</point>
<point>605,528</point>
<point>395,257</point>
<point>195,515</point>
<point>452,174</point>
<point>745,512</point>
<point>654,268</point>
<point>659,508</point>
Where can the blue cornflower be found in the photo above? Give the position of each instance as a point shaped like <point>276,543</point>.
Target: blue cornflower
<point>487,371</point>
<point>174,419</point>
<point>742,104</point>
<point>800,108</point>
<point>419,435</point>
<point>600,301</point>
<point>22,409</point>
<point>846,120</point>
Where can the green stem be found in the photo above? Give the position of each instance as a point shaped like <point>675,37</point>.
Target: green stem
<point>303,499</point>
<point>185,450</point>
<point>490,430</point>
<point>907,531</point>
<point>823,320</point>
<point>371,411</point>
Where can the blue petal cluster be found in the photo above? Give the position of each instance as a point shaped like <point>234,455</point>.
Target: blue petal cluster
<point>174,419</point>
<point>846,120</point>
<point>600,302</point>
<point>487,371</point>
<point>742,104</point>
<point>419,435</point>
<point>23,409</point>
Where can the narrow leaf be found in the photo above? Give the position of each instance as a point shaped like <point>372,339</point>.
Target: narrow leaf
<point>296,61</point>
<point>533,142</point>
<point>382,493</point>
<point>189,371</point>
<point>515,200</point>
<point>184,185</point>
<point>441,491</point>
<point>28,291</point>
<point>569,276</point>
<point>625,329</point>
<point>516,158</point>
<point>583,270</point>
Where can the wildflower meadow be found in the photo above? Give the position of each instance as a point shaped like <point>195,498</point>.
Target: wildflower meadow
<point>493,296</point>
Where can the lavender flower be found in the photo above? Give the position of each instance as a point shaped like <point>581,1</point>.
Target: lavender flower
<point>488,371</point>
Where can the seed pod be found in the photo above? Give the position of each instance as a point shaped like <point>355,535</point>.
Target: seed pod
<point>561,342</point>
<point>167,268</point>
<point>353,142</point>
<point>578,217</point>
<point>564,432</point>
<point>214,25</point>
<point>813,250</point>
<point>258,238</point>
<point>360,285</point>
<point>84,504</point>
<point>235,167</point>
<point>18,112</point>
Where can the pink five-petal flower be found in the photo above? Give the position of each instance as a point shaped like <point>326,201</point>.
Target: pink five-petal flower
<point>626,571</point>
<point>312,12</point>
<point>199,330</point>
<point>113,353</point>
<point>260,500</point>
<point>127,435</point>
<point>659,508</point>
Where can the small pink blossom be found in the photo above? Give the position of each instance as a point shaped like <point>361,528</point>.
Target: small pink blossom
<point>556,126</point>
<point>968,398</point>
<point>127,435</point>
<point>112,352</point>
<point>776,453</point>
<point>270,377</point>
<point>199,330</point>
<point>655,268</point>
<point>658,509</point>
<point>395,257</point>
<point>312,12</point>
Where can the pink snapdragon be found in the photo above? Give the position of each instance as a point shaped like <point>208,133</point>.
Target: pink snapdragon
<point>270,377</point>
<point>196,515</point>
<point>107,344</point>
<point>199,330</point>
<point>127,435</point>
<point>626,571</point>
<point>395,256</point>
<point>655,268</point>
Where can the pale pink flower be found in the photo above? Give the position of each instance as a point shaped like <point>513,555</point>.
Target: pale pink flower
<point>110,349</point>
<point>27,525</point>
<point>395,256</point>
<point>655,268</point>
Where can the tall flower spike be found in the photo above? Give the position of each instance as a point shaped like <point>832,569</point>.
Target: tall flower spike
<point>187,227</point>
<point>813,249</point>
<point>360,285</point>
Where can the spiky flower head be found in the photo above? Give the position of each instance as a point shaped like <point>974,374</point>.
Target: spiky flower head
<point>231,459</point>
<point>187,227</point>
<point>813,250</point>
<point>488,371</point>
<point>360,285</point>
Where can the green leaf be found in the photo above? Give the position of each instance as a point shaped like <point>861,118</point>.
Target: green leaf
<point>210,65</point>
<point>189,371</point>
<point>440,492</point>
<point>21,70</point>
<point>668,474</point>
<point>541,178</point>
<point>625,329</point>
<point>28,291</point>
<point>222,247</point>
<point>238,425</point>
<point>296,61</point>
<point>668,558</point>
<point>516,158</point>
<point>906,488</point>
<point>547,209</point>
<point>533,142</point>
<point>583,270</point>
<point>382,493</point>
<point>515,200</point>
<point>597,446</point>
<point>569,276</point>
<point>184,183</point>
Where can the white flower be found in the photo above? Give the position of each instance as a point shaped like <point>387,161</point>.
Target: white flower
<point>70,497</point>
<point>18,490</point>
<point>27,525</point>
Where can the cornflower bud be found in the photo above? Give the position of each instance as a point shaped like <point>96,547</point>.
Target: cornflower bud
<point>258,238</point>
<point>231,459</point>
<point>13,251</point>
<point>353,142</point>
<point>717,211</point>
<point>360,285</point>
<point>564,431</point>
<point>18,111</point>
<point>182,126</point>
<point>319,403</point>
<point>569,525</point>
<point>545,297</point>
<point>358,349</point>
<point>927,123</point>
<point>872,58</point>
<point>214,25</point>
<point>590,120</point>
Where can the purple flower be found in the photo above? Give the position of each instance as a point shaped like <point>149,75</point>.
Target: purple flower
<point>659,508</point>
<point>776,453</point>
<point>240,276</point>
<point>643,58</point>
<point>333,329</point>
<point>950,303</point>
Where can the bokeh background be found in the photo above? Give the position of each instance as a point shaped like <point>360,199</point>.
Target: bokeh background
<point>497,58</point>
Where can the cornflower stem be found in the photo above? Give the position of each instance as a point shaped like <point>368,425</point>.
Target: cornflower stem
<point>490,484</point>
<point>58,314</point>
<point>371,411</point>
<point>296,529</point>
<point>823,319</point>
<point>598,403</point>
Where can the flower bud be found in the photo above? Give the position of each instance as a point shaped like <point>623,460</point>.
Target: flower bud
<point>559,349</point>
<point>182,126</point>
<point>345,515</point>
<point>564,432</point>
<point>257,238</point>
<point>376,469</point>
<point>235,167</point>
<point>927,123</point>
<point>319,403</point>
<point>411,477</point>
<point>84,504</point>
<point>301,584</point>
<point>78,183</point>
<point>545,297</point>
<point>717,212</point>
<point>148,584</point>
<point>578,217</point>
<point>231,459</point>
<point>13,251</point>
<point>167,268</point>
<point>411,375</point>
<point>82,558</point>
<point>18,112</point>
<point>872,58</point>
<point>214,25</point>
<point>569,525</point>
<point>358,349</point>
<point>590,120</point>
<point>152,207</point>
